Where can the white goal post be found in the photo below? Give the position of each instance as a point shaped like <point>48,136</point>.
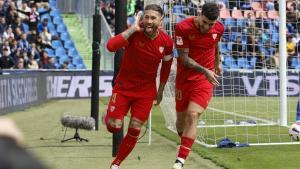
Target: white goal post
<point>256,101</point>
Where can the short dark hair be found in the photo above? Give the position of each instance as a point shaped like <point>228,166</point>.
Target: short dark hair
<point>155,7</point>
<point>211,10</point>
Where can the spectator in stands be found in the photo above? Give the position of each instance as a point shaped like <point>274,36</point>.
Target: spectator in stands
<point>33,17</point>
<point>20,64</point>
<point>11,13</point>
<point>109,14</point>
<point>252,49</point>
<point>23,43</point>
<point>17,23</point>
<point>8,34</point>
<point>46,62</point>
<point>237,48</point>
<point>24,7</point>
<point>14,47</point>
<point>18,33</point>
<point>6,46</point>
<point>43,25</point>
<point>64,66</point>
<point>32,63</point>
<point>32,36</point>
<point>290,47</point>
<point>3,25</point>
<point>270,5</point>
<point>6,61</point>
<point>246,5</point>
<point>46,37</point>
<point>34,51</point>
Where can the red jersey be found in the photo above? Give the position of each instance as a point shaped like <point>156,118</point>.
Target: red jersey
<point>140,61</point>
<point>201,47</point>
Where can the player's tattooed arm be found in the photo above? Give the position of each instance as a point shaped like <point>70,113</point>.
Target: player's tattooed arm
<point>218,65</point>
<point>136,26</point>
<point>190,63</point>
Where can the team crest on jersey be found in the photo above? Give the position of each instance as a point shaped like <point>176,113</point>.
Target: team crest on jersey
<point>214,36</point>
<point>161,49</point>
<point>179,40</point>
<point>192,37</point>
<point>112,108</point>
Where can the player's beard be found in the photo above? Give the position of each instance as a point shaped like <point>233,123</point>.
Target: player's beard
<point>151,31</point>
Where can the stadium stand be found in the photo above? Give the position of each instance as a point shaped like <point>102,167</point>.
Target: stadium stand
<point>32,33</point>
<point>254,20</point>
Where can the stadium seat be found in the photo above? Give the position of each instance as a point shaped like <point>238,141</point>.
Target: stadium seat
<point>60,52</point>
<point>71,66</point>
<point>69,44</point>
<point>25,27</point>
<point>273,14</point>
<point>243,63</point>
<point>61,28</point>
<point>49,51</point>
<point>256,6</point>
<point>225,14</point>
<point>252,63</point>
<point>77,60</point>
<point>230,62</point>
<point>56,44</point>
<point>237,14</point>
<point>80,66</point>
<point>64,58</point>
<point>73,52</point>
<point>55,12</point>
<point>295,62</point>
<point>65,36</point>
<point>57,20</point>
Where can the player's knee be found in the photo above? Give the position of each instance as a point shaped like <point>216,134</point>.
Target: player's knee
<point>133,132</point>
<point>113,125</point>
<point>192,116</point>
<point>135,123</point>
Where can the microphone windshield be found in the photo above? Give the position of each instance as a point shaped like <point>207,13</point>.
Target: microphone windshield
<point>78,122</point>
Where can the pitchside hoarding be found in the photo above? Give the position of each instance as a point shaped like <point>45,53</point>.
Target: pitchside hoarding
<point>19,90</point>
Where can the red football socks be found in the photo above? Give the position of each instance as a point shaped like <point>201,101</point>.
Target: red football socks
<point>127,144</point>
<point>185,148</point>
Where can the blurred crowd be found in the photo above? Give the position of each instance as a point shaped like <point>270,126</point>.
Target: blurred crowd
<point>24,36</point>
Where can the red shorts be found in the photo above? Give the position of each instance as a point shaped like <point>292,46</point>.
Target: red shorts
<point>199,92</point>
<point>120,104</point>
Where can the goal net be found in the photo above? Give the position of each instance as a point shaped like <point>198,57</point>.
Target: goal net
<point>246,107</point>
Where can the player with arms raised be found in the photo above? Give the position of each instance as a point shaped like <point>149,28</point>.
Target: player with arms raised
<point>198,67</point>
<point>145,46</point>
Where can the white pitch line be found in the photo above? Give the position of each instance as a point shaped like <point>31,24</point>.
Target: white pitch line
<point>241,115</point>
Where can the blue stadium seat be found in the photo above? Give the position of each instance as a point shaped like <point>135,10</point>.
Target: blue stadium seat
<point>230,62</point>
<point>57,20</point>
<point>49,51</point>
<point>73,52</point>
<point>243,63</point>
<point>25,27</point>
<point>60,52</point>
<point>69,44</point>
<point>71,66</point>
<point>65,36</point>
<point>77,60</point>
<point>80,66</point>
<point>295,62</point>
<point>56,44</point>
<point>61,28</point>
<point>252,63</point>
<point>54,12</point>
<point>64,58</point>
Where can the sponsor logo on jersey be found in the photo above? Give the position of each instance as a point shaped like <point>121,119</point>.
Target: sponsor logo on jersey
<point>214,36</point>
<point>179,40</point>
<point>161,49</point>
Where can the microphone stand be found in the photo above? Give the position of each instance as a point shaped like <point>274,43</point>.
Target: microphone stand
<point>76,137</point>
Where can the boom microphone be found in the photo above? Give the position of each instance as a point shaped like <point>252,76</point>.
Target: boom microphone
<point>78,122</point>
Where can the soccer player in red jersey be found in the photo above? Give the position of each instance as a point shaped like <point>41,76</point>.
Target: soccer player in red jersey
<point>145,47</point>
<point>198,67</point>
